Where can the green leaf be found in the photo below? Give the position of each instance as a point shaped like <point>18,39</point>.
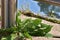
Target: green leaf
<point>37,22</point>
<point>48,35</point>
<point>26,34</point>
<point>13,36</point>
<point>19,13</point>
<point>47,27</point>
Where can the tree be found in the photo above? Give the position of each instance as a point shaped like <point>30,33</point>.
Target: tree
<point>49,10</point>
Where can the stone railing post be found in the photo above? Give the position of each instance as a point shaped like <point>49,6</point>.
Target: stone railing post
<point>8,13</point>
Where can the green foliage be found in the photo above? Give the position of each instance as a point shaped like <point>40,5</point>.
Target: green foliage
<point>48,35</point>
<point>20,27</point>
<point>33,27</point>
<point>48,8</point>
<point>36,28</point>
<point>0,18</point>
<point>44,7</point>
<point>10,37</point>
<point>7,31</point>
<point>26,28</point>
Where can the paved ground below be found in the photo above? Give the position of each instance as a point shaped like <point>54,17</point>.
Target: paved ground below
<point>44,38</point>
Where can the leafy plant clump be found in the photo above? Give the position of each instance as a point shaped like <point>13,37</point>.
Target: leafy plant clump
<point>30,27</point>
<point>26,29</point>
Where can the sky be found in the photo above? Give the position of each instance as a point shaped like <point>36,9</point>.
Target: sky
<point>32,5</point>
